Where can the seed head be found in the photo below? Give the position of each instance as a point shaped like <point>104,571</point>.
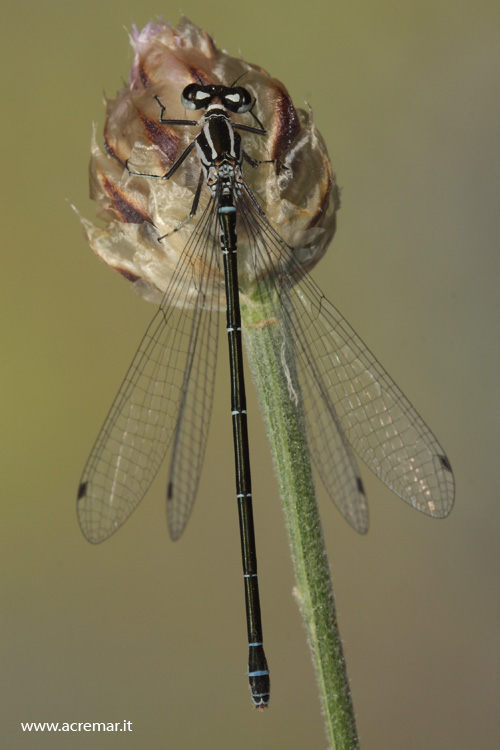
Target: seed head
<point>296,188</point>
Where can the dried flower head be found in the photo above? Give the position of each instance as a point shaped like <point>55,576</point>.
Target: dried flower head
<point>296,189</point>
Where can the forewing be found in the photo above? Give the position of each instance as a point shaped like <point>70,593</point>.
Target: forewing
<point>193,422</point>
<point>377,419</point>
<point>349,396</point>
<point>141,422</point>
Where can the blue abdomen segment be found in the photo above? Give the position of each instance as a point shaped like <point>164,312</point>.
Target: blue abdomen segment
<point>258,676</point>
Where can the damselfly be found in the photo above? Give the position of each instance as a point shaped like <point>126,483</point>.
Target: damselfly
<point>166,398</point>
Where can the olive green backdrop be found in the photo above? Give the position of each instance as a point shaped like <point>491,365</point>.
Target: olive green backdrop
<point>145,630</point>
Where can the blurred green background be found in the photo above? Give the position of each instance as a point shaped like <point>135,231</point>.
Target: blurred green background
<point>145,630</point>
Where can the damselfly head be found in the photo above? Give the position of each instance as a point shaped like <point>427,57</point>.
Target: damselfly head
<point>197,96</point>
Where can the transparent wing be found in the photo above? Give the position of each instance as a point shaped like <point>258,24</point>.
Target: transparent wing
<point>348,396</point>
<point>193,422</point>
<point>142,420</point>
<point>332,455</point>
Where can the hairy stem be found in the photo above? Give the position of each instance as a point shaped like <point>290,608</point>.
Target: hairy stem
<point>274,372</point>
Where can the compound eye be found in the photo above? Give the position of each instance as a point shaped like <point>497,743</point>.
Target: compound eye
<point>196,96</point>
<point>238,100</point>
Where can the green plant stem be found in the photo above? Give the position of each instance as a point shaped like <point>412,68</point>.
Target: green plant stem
<point>275,376</point>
